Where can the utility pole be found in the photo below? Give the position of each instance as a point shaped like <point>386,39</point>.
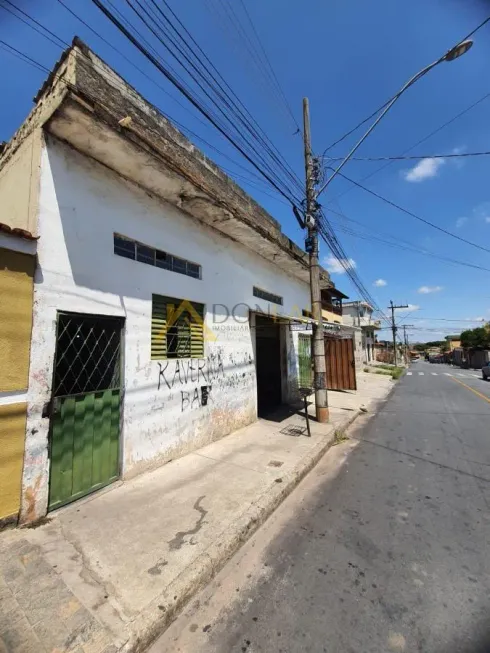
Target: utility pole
<point>405,340</point>
<point>319,363</point>
<point>394,328</point>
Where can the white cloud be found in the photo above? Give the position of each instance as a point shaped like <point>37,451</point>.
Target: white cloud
<point>459,163</point>
<point>424,169</point>
<point>334,266</point>
<point>460,222</point>
<point>425,290</point>
<point>410,308</point>
<point>482,211</point>
<point>380,283</point>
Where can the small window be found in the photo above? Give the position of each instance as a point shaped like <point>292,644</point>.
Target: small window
<point>124,247</point>
<point>179,265</point>
<point>194,270</point>
<point>163,260</point>
<point>177,328</point>
<point>145,254</point>
<point>268,296</point>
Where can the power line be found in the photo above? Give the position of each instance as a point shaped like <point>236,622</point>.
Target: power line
<point>227,95</point>
<point>26,59</point>
<point>399,243</point>
<point>446,319</point>
<point>173,120</point>
<point>269,65</point>
<point>408,158</point>
<point>414,215</point>
<point>225,13</point>
<point>182,53</point>
<point>211,82</point>
<point>422,140</point>
<point>372,115</point>
<point>29,61</point>
<point>192,98</point>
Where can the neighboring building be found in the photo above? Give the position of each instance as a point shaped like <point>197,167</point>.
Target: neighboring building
<point>454,342</point>
<point>19,189</point>
<point>155,284</point>
<point>360,314</point>
<point>332,305</point>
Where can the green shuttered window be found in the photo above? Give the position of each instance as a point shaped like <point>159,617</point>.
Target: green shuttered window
<point>177,328</point>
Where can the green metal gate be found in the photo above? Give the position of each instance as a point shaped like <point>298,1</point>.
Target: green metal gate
<point>305,362</point>
<point>85,407</point>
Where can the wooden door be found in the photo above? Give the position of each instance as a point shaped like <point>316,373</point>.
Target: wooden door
<point>341,366</point>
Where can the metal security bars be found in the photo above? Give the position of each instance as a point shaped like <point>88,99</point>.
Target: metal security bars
<point>305,368</point>
<point>177,328</point>
<point>136,251</point>
<point>88,354</point>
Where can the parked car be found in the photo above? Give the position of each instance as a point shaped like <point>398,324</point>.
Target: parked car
<point>436,358</point>
<point>485,370</point>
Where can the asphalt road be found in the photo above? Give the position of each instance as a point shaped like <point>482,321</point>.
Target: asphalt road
<point>384,547</point>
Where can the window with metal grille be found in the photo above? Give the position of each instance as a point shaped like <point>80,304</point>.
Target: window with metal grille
<point>177,328</point>
<point>305,371</point>
<point>268,296</point>
<point>145,254</point>
<point>88,354</point>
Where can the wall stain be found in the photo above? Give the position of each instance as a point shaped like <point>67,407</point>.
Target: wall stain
<point>157,569</point>
<point>178,541</point>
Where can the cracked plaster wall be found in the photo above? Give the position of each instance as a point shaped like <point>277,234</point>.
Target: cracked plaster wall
<point>81,205</point>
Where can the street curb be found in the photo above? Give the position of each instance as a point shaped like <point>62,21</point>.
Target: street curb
<point>158,615</point>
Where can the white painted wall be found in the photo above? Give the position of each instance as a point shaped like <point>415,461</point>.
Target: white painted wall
<point>81,205</point>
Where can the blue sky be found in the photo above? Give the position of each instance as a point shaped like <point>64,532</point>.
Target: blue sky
<point>348,58</point>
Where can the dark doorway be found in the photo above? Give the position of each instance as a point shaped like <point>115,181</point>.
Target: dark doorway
<point>268,364</point>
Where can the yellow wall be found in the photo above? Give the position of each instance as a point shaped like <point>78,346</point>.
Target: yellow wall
<point>16,288</point>
<point>454,344</point>
<point>331,317</point>
<point>19,185</point>
<point>12,437</point>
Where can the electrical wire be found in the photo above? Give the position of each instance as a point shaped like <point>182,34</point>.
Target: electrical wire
<point>243,178</point>
<point>419,142</point>
<point>228,18</point>
<point>190,96</point>
<point>224,95</point>
<point>414,215</point>
<point>269,65</point>
<point>26,59</point>
<point>410,158</point>
<point>412,249</point>
<point>63,43</point>
<point>327,233</point>
<point>372,115</point>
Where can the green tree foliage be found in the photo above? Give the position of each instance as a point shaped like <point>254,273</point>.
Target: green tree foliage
<point>422,346</point>
<point>478,338</point>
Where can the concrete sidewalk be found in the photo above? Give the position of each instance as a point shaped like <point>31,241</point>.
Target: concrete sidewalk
<point>110,572</point>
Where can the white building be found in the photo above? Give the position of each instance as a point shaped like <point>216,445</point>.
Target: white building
<point>155,278</point>
<point>360,314</point>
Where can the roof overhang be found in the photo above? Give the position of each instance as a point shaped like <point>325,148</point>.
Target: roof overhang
<point>85,104</point>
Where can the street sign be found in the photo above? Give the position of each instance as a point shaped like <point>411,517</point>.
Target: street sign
<point>302,326</point>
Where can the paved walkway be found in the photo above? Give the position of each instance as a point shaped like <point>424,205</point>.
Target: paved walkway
<point>107,573</point>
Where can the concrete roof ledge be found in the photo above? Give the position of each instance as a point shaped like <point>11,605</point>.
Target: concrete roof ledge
<point>87,105</point>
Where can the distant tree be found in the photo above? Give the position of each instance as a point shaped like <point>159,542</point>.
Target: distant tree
<point>478,338</point>
<point>422,346</point>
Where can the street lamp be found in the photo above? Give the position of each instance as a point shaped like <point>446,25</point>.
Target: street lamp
<point>452,54</point>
